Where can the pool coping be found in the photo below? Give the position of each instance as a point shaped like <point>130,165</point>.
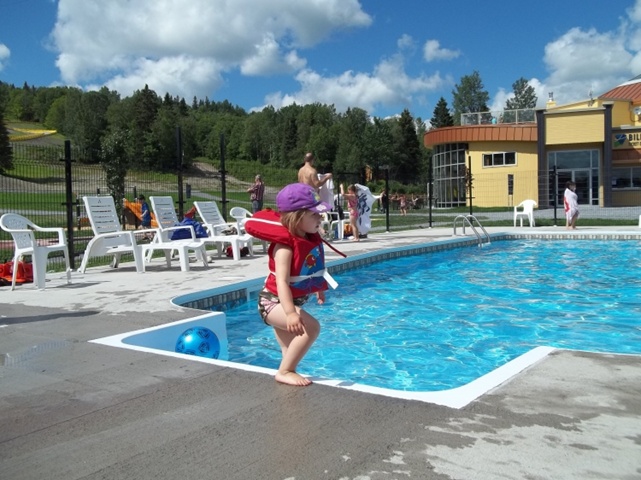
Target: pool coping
<point>458,397</point>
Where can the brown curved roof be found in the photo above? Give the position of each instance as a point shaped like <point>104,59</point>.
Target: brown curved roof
<point>481,133</point>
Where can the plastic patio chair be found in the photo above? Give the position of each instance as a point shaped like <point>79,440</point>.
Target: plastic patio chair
<point>165,213</point>
<point>527,211</point>
<point>109,236</point>
<point>215,224</point>
<point>26,242</point>
<point>241,214</point>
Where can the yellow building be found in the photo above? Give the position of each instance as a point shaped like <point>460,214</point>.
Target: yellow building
<point>515,155</point>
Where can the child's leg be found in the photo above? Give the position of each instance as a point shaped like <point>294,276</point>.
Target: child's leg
<point>352,222</point>
<point>293,347</point>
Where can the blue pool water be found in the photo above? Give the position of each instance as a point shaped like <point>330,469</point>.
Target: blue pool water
<point>440,320</point>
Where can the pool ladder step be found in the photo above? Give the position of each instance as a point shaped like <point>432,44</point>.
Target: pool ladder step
<point>470,220</point>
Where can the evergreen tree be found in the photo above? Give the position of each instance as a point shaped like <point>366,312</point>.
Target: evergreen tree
<point>6,152</point>
<point>520,108</point>
<point>115,161</point>
<point>409,151</point>
<point>441,116</point>
<point>524,96</point>
<point>470,96</point>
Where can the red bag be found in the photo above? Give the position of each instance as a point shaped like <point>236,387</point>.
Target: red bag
<point>24,275</point>
<point>243,252</point>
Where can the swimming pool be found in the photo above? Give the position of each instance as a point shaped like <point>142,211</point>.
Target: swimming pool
<point>463,329</point>
<point>440,320</point>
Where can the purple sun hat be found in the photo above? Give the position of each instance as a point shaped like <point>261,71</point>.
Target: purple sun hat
<point>300,196</point>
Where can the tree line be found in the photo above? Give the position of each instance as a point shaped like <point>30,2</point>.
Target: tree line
<point>139,131</point>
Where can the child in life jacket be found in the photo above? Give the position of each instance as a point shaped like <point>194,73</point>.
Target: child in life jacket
<point>297,271</point>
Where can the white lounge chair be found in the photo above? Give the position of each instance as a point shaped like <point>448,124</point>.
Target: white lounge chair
<point>241,215</point>
<point>215,224</point>
<point>26,242</point>
<point>527,211</point>
<point>109,236</point>
<point>165,213</point>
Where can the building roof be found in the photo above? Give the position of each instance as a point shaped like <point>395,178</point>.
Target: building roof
<point>630,90</point>
<point>481,133</point>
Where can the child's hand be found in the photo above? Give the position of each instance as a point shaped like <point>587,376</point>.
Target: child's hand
<point>295,324</point>
<point>321,297</point>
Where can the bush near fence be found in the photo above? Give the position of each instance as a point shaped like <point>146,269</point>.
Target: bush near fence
<point>37,188</point>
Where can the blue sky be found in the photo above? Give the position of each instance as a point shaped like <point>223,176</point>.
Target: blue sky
<point>379,55</point>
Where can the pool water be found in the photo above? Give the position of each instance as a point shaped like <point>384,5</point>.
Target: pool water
<point>440,320</point>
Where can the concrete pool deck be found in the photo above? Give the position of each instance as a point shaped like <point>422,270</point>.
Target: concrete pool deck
<point>70,409</point>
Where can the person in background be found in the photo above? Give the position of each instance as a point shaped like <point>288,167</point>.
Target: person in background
<point>308,174</point>
<point>402,204</point>
<point>384,201</point>
<point>257,192</point>
<point>352,205</point>
<point>145,215</point>
<point>571,205</point>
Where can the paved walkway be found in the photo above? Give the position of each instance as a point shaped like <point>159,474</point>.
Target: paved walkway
<point>70,409</point>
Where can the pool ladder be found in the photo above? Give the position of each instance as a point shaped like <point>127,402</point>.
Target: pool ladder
<point>470,220</point>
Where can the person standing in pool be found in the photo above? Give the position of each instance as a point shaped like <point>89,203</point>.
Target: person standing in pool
<point>571,205</point>
<point>297,271</point>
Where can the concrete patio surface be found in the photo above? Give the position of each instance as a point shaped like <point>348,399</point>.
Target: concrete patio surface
<point>70,409</point>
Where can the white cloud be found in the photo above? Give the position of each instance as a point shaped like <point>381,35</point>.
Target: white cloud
<point>269,59</point>
<point>5,53</point>
<point>406,42</point>
<point>583,61</point>
<point>432,51</point>
<point>388,85</point>
<point>150,41</point>
<point>179,76</point>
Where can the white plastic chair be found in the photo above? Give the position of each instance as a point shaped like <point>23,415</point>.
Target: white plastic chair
<point>338,225</point>
<point>527,211</point>
<point>26,242</point>
<point>165,213</point>
<point>109,236</point>
<point>215,224</point>
<point>241,214</point>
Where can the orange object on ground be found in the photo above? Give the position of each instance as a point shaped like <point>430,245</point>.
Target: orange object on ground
<point>136,209</point>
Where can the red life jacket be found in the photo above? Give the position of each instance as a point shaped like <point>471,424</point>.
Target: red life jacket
<point>307,274</point>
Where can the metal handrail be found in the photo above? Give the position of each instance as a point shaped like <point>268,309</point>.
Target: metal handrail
<point>466,219</point>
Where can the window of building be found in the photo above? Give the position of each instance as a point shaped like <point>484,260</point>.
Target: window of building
<point>499,159</point>
<point>449,174</point>
<point>626,178</point>
<point>579,166</point>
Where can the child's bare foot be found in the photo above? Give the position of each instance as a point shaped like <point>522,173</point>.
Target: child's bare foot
<point>292,378</point>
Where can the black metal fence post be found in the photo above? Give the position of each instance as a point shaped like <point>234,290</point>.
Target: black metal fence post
<point>223,179</point>
<point>179,166</point>
<point>469,180</point>
<point>69,204</point>
<point>556,191</point>
<point>387,198</point>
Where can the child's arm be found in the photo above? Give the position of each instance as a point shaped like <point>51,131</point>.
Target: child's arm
<point>283,259</point>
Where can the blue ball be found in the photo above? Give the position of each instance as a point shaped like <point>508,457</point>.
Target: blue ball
<point>199,341</point>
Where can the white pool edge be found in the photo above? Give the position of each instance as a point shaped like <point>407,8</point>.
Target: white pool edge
<point>457,397</point>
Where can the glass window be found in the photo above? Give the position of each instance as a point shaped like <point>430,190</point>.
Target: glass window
<point>499,159</point>
<point>636,177</point>
<point>626,177</point>
<point>448,161</point>
<point>510,158</point>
